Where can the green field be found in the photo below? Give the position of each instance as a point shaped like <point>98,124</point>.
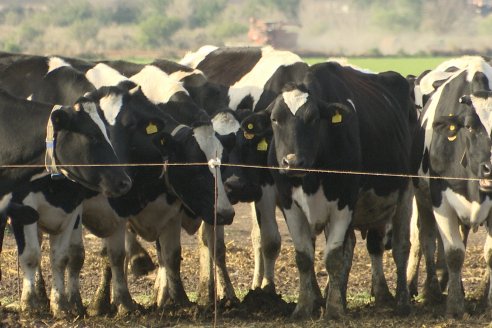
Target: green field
<point>405,66</point>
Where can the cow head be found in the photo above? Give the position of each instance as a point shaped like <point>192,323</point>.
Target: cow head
<point>472,129</point>
<point>132,121</point>
<point>300,122</point>
<point>194,184</point>
<point>242,184</point>
<point>81,139</point>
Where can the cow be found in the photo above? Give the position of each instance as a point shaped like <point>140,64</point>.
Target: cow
<point>337,119</point>
<point>454,145</point>
<point>51,135</point>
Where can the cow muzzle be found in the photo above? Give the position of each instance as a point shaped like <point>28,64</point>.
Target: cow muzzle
<point>292,166</point>
<point>485,174</point>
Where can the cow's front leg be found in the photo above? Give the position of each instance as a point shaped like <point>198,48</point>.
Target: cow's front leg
<point>225,290</point>
<point>100,303</point>
<point>169,286</point>
<point>334,261</point>
<point>29,259</point>
<point>266,240</point>
<point>302,238</point>
<point>59,245</point>
<point>401,249</point>
<point>76,257</point>
<point>454,248</point>
<point>121,297</point>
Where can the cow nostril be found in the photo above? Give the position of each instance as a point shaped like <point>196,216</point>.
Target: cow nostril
<point>486,170</point>
<point>125,184</point>
<point>285,161</point>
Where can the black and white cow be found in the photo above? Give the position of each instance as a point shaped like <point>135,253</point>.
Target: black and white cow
<point>338,119</point>
<point>454,143</point>
<point>78,127</point>
<point>251,78</point>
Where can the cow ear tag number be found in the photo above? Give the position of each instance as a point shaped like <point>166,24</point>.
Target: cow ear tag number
<point>151,128</point>
<point>452,128</point>
<point>262,145</point>
<point>337,118</point>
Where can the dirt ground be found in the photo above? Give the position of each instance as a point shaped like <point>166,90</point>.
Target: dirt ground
<point>253,311</point>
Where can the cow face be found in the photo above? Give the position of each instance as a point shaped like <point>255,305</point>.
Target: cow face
<point>81,139</point>
<point>133,121</point>
<point>472,128</point>
<point>194,184</point>
<point>300,122</point>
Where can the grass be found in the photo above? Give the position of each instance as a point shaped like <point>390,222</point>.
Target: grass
<point>402,65</point>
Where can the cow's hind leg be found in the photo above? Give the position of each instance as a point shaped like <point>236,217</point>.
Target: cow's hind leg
<point>138,260</point>
<point>101,302</point>
<point>379,286</point>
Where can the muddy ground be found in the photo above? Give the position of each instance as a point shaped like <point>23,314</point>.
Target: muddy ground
<point>255,310</point>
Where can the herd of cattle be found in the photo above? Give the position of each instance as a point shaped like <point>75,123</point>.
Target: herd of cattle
<point>424,143</point>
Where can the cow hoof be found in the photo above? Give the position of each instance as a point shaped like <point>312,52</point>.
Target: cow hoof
<point>98,308</point>
<point>334,311</point>
<point>126,309</point>
<point>432,293</point>
<point>403,310</point>
<point>269,289</point>
<point>75,303</point>
<point>301,313</point>
<point>31,305</point>
<point>141,265</point>
<point>384,298</point>
<point>60,311</point>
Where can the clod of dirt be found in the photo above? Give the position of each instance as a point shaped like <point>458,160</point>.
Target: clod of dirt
<point>261,303</point>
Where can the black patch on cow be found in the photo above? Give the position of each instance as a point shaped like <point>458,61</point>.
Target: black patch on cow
<point>19,236</point>
<point>246,103</point>
<point>425,161</point>
<point>237,61</point>
<point>374,242</point>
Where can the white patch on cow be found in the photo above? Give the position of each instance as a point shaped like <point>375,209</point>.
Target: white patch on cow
<point>225,123</point>
<point>39,176</point>
<point>448,225</point>
<point>252,83</point>
<point>180,75</point>
<point>157,85</point>
<point>483,108</point>
<point>29,98</point>
<point>90,108</point>
<point>343,61</point>
<point>426,83</point>
<point>4,202</point>
<point>212,148</point>
<point>295,99</point>
<point>351,103</point>
<point>111,107</point>
<point>56,62</point>
<point>103,75</point>
<point>192,59</point>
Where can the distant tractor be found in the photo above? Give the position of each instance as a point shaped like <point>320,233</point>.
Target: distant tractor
<point>280,35</point>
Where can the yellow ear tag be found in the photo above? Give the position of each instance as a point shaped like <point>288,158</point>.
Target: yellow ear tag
<point>337,118</point>
<point>248,136</point>
<point>250,126</point>
<point>151,128</point>
<point>262,145</point>
<point>453,138</point>
<point>452,127</point>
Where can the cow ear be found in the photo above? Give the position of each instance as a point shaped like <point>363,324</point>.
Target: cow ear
<point>448,125</point>
<point>336,113</point>
<point>257,124</point>
<point>60,119</point>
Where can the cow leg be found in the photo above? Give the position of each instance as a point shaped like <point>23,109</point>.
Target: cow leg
<point>266,240</point>
<point>170,287</point>
<point>441,267</point>
<point>348,254</point>
<point>454,248</point>
<point>302,238</point>
<point>334,262</point>
<point>76,257</point>
<point>375,247</point>
<point>121,297</point>
<point>138,260</point>
<point>100,303</point>
<point>29,259</point>
<point>225,290</point>
<point>488,259</point>
<point>401,248</point>
<point>415,252</point>
<point>59,245</point>
<point>427,236</point>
